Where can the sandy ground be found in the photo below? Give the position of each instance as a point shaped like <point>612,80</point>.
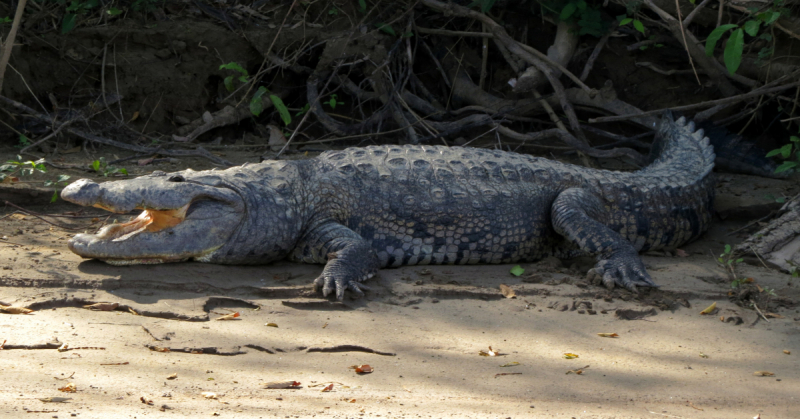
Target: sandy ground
<point>421,329</point>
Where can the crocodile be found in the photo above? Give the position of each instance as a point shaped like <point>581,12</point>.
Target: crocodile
<point>364,208</point>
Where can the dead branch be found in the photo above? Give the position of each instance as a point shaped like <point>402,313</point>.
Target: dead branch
<point>708,103</point>
<point>198,152</point>
<point>9,44</point>
<point>573,142</point>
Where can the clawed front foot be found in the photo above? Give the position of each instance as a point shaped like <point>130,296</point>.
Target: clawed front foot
<point>346,270</point>
<point>624,269</point>
<point>329,282</point>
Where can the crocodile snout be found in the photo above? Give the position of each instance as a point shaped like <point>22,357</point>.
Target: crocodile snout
<point>82,192</point>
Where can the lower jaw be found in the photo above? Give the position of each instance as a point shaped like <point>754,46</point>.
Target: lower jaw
<point>143,261</point>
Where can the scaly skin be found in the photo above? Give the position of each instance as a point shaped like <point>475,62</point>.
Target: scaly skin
<point>361,209</point>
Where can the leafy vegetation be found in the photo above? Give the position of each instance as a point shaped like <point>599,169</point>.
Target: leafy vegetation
<point>100,166</point>
<point>12,168</point>
<point>74,9</point>
<point>23,168</point>
<point>256,102</point>
<point>790,153</point>
<point>58,185</point>
<point>728,261</point>
<point>734,48</point>
<point>332,101</point>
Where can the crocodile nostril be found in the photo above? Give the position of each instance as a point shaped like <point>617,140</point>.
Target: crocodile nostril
<point>176,178</point>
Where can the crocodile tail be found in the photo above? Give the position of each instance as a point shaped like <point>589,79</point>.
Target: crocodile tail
<point>679,150</point>
<point>736,154</point>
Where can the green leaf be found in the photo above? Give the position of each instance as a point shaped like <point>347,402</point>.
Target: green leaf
<point>114,11</point>
<point>625,21</point>
<point>733,51</point>
<point>229,83</point>
<point>387,28</point>
<point>582,5</point>
<point>256,106</point>
<point>233,66</point>
<point>54,198</point>
<point>769,17</point>
<point>727,249</point>
<point>751,27</point>
<point>96,165</point>
<point>517,270</point>
<point>715,35</point>
<point>63,178</point>
<point>303,110</point>
<point>740,260</point>
<point>261,91</point>
<point>786,151</point>
<point>786,166</point>
<point>567,11</point>
<point>68,23</point>
<point>638,25</point>
<point>123,170</point>
<point>282,109</point>
<point>362,6</point>
<point>794,139</point>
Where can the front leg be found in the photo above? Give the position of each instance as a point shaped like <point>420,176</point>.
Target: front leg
<point>575,214</point>
<point>348,258</point>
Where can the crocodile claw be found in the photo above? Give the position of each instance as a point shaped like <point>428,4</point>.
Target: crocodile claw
<point>623,270</point>
<point>339,283</point>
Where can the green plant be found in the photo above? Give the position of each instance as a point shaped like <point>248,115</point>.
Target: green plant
<point>76,8</point>
<point>637,24</point>
<point>362,6</point>
<point>58,185</point>
<point>6,19</point>
<point>27,168</point>
<point>728,261</point>
<point>735,46</point>
<point>113,11</point>
<point>23,141</point>
<point>485,5</point>
<point>332,102</point>
<point>790,154</point>
<point>244,77</point>
<point>256,105</point>
<point>303,110</point>
<point>23,168</point>
<point>386,28</point>
<point>586,16</point>
<point>100,166</point>
<point>256,102</point>
<point>333,11</point>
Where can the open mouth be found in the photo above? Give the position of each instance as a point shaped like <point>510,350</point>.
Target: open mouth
<point>178,220</point>
<point>149,220</point>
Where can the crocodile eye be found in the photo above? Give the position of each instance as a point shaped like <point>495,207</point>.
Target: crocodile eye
<point>176,178</point>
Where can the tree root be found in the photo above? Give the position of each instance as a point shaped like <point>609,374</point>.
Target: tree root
<point>777,244</point>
